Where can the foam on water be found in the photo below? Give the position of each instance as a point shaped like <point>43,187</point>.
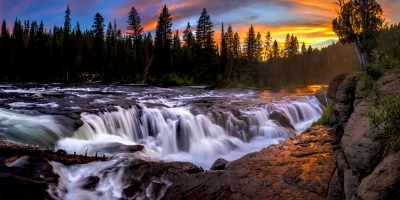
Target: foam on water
<point>168,133</point>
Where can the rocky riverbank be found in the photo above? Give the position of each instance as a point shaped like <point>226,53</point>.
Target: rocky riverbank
<point>304,168</point>
<point>363,170</point>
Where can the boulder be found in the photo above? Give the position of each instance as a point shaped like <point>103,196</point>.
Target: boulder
<point>358,97</point>
<point>346,91</point>
<point>351,183</point>
<point>340,115</point>
<point>219,164</point>
<point>304,168</point>
<point>390,83</point>
<point>334,85</point>
<point>282,119</point>
<point>37,96</point>
<point>322,97</point>
<point>362,147</point>
<point>383,182</point>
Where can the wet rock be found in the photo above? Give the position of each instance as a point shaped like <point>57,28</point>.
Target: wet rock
<point>156,171</point>
<point>362,147</point>
<point>282,119</point>
<point>272,173</point>
<point>116,147</point>
<point>322,97</point>
<point>133,190</point>
<point>346,91</point>
<point>90,183</point>
<point>383,182</point>
<point>37,96</point>
<point>31,178</point>
<point>334,86</point>
<point>219,164</point>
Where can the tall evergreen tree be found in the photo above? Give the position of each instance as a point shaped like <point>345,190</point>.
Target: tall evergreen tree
<point>250,45</point>
<point>206,68</point>
<point>134,27</point>
<point>5,53</point>
<point>275,50</point>
<point>229,47</point>
<point>98,44</point>
<point>303,48</point>
<point>224,53</point>
<point>67,58</point>
<point>162,46</point>
<point>176,53</point>
<point>18,51</point>
<point>236,46</point>
<point>268,45</point>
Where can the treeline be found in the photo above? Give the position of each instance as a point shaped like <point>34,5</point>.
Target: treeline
<point>66,54</point>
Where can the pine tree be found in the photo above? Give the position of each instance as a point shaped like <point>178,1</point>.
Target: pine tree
<point>98,44</point>
<point>17,52</point>
<point>294,46</point>
<point>67,46</point>
<point>224,53</point>
<point>236,46</point>
<point>229,47</point>
<point>162,46</point>
<point>259,47</point>
<point>206,68</point>
<point>287,46</point>
<point>303,49</point>
<point>204,32</point>
<point>5,53</point>
<point>250,45</point>
<point>275,50</point>
<point>268,45</point>
<point>134,28</point>
<point>148,53</point>
<point>176,53</point>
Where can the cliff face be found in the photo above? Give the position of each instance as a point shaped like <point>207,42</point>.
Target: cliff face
<point>362,167</point>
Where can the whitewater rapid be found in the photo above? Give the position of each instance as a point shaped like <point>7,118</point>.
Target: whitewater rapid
<point>170,127</point>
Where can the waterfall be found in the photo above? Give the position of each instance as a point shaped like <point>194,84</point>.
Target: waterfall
<point>166,132</point>
<point>172,131</point>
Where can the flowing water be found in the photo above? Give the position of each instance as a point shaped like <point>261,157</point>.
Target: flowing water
<point>178,124</point>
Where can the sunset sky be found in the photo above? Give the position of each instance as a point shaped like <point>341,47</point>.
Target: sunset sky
<point>309,20</point>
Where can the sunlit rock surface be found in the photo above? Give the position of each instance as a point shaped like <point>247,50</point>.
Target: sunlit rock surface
<point>304,168</point>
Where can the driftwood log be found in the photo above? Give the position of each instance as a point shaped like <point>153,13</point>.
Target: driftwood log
<point>12,151</point>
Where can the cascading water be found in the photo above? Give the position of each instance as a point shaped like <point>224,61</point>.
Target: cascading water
<point>177,132</point>
<point>169,132</point>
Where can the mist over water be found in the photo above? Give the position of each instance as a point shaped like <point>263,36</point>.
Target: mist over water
<point>186,124</point>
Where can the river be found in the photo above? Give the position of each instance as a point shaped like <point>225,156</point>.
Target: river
<point>192,124</point>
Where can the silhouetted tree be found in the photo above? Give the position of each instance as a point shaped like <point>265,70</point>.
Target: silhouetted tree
<point>359,22</point>
<point>98,44</point>
<point>5,53</point>
<point>162,46</point>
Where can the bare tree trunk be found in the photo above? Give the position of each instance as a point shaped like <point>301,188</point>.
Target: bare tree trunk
<point>361,56</point>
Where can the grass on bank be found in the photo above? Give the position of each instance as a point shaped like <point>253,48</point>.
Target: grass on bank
<point>325,118</point>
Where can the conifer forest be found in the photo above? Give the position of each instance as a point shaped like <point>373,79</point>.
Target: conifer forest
<point>103,53</point>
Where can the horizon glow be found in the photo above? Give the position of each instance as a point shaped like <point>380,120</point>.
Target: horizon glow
<point>309,20</point>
